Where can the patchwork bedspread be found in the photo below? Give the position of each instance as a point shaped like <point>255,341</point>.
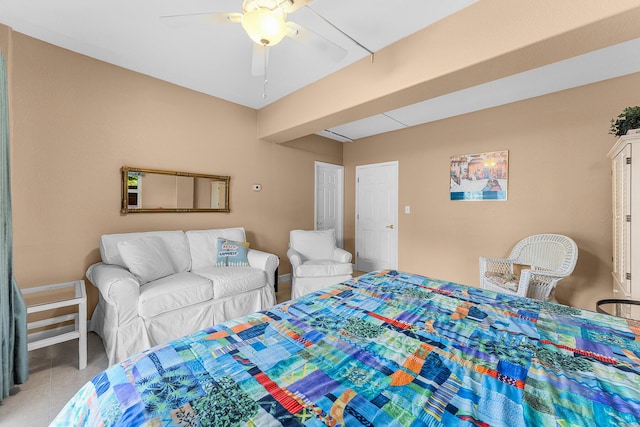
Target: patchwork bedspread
<point>386,349</point>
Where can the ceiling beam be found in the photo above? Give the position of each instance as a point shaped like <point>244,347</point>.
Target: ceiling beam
<point>489,40</point>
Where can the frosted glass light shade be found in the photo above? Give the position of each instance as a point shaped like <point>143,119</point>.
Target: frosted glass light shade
<point>265,27</point>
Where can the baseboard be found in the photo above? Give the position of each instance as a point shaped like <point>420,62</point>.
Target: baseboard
<point>284,278</point>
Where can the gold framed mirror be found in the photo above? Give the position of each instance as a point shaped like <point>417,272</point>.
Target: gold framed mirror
<point>154,190</point>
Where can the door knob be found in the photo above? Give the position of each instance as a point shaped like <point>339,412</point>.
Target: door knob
<point>390,226</point>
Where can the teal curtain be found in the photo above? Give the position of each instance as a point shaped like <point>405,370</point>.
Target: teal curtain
<point>14,361</point>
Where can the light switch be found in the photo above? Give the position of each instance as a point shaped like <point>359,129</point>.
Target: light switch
<point>407,209</point>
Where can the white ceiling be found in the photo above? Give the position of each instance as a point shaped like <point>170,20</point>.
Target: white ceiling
<point>216,58</point>
<point>602,64</point>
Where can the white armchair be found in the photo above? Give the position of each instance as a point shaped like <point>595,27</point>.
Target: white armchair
<point>533,269</point>
<point>316,262</point>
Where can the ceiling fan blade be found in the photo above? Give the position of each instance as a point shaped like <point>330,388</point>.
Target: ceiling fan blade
<point>193,19</point>
<point>315,40</point>
<point>290,6</point>
<point>259,59</point>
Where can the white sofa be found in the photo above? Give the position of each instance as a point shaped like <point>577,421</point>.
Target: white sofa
<point>168,285</point>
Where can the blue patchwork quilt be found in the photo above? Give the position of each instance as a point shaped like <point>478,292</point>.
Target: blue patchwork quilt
<point>385,349</point>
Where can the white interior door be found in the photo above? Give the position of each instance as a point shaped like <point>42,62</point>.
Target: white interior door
<point>377,216</point>
<point>329,204</point>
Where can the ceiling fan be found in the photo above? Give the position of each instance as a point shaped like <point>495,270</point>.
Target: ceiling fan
<point>265,22</point>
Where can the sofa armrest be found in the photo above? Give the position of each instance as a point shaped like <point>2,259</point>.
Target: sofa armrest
<point>264,261</point>
<point>118,287</point>
<point>341,255</point>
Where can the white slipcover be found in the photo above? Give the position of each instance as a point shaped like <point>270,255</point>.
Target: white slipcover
<point>131,317</point>
<point>316,262</point>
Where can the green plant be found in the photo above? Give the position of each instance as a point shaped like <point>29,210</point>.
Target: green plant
<point>628,119</point>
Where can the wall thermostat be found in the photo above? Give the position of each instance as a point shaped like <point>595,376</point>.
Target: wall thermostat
<point>257,187</point>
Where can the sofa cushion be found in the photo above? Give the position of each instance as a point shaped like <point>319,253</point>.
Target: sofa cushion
<point>146,257</point>
<point>232,253</point>
<point>203,244</point>
<point>173,292</point>
<point>233,280</point>
<point>323,267</point>
<point>175,242</point>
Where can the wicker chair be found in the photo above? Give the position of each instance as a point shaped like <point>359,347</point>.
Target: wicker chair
<point>534,267</point>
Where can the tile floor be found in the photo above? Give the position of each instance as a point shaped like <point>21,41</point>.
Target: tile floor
<point>54,378</point>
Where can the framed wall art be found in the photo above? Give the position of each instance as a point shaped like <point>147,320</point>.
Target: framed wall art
<point>481,176</point>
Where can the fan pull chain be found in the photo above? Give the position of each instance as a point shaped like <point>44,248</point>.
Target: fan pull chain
<point>264,89</point>
<point>264,86</point>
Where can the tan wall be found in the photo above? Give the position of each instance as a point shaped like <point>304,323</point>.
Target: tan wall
<point>78,120</point>
<point>559,182</point>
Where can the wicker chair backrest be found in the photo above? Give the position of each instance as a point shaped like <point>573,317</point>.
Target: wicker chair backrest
<point>552,252</point>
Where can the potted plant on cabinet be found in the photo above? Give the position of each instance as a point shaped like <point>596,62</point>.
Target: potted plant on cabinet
<point>627,120</point>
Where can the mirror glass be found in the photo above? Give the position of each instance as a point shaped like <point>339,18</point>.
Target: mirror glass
<point>152,190</point>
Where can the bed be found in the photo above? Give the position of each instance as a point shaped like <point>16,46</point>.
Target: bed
<point>385,349</point>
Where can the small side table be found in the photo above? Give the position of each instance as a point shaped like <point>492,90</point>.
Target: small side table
<point>50,297</point>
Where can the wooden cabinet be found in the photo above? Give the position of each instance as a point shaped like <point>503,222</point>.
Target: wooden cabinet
<point>625,177</point>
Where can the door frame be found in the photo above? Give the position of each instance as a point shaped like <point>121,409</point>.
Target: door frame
<point>339,202</point>
<point>395,163</point>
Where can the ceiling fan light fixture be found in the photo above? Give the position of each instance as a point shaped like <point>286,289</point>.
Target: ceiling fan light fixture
<point>265,27</point>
